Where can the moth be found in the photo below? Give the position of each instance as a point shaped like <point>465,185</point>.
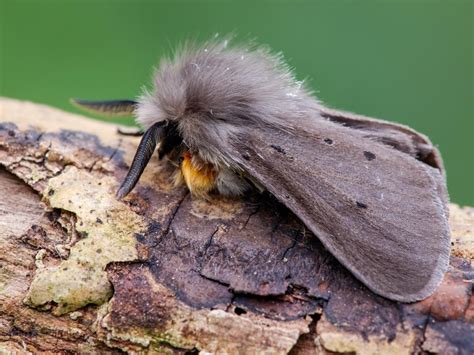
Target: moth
<point>230,118</point>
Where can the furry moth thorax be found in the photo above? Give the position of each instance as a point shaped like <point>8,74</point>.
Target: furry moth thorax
<point>212,94</point>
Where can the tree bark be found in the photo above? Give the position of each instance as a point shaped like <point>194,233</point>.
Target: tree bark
<point>81,271</point>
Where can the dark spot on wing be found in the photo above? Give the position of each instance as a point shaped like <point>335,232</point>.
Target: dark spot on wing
<point>246,156</point>
<point>51,192</point>
<point>328,141</point>
<point>278,149</point>
<point>369,155</point>
<point>361,205</point>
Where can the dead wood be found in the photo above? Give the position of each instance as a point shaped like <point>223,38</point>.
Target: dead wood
<point>83,272</point>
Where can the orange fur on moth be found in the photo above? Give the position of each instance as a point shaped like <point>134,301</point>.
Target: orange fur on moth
<point>199,178</point>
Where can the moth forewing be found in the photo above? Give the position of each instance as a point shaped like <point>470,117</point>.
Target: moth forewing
<point>379,211</point>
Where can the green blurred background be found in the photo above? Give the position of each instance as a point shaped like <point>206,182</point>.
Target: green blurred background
<point>405,61</point>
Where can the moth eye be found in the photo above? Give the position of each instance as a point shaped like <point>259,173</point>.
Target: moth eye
<point>180,160</point>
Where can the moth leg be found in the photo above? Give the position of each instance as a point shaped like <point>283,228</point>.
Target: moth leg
<point>134,132</point>
<point>142,157</point>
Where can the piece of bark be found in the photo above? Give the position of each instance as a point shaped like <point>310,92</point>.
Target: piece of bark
<point>81,271</point>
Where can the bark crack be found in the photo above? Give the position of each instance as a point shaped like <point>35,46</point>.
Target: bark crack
<point>119,145</point>
<point>222,283</point>
<point>287,250</point>
<point>423,332</point>
<point>209,241</point>
<point>174,213</point>
<point>251,214</point>
<point>109,158</point>
<point>307,342</point>
<point>231,302</point>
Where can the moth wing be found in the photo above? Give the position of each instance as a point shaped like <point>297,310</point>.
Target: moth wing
<point>381,212</point>
<point>395,135</point>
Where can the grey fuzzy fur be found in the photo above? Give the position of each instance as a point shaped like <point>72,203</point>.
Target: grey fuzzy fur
<point>214,91</point>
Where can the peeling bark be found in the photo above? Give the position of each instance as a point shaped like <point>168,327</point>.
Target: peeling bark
<point>159,271</point>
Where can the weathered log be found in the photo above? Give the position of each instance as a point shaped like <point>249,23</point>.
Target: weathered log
<point>81,271</point>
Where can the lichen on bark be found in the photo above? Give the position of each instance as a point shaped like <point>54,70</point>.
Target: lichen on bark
<point>106,228</point>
